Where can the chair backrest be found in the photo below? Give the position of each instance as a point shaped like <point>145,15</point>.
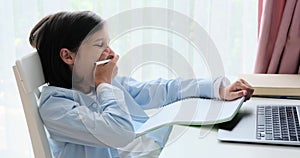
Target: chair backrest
<point>29,76</point>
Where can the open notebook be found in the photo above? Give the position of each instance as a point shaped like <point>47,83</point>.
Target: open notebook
<point>192,111</point>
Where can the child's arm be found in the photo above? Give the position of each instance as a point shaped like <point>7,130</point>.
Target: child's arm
<point>156,93</point>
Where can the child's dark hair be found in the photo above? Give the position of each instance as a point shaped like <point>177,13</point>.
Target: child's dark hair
<point>61,30</point>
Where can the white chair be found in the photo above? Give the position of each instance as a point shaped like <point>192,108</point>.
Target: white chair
<point>29,76</point>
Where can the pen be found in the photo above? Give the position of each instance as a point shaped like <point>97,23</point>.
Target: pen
<point>102,62</point>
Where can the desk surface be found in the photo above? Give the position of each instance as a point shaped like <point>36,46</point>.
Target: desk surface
<point>199,141</point>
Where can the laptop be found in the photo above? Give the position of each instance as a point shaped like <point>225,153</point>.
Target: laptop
<point>264,123</point>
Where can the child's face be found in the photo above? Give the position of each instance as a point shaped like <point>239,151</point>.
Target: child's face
<point>88,53</point>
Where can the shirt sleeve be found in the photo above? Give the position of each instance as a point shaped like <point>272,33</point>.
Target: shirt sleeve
<point>157,93</point>
<point>218,83</point>
<point>108,125</point>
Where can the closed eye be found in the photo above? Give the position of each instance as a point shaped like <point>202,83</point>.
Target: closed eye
<point>99,45</point>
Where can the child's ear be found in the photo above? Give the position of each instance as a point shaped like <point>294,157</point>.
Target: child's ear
<point>67,56</point>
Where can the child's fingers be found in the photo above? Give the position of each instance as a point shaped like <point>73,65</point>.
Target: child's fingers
<point>245,82</point>
<point>237,94</point>
<point>240,86</point>
<point>104,56</point>
<point>113,62</point>
<point>115,58</point>
<point>249,89</point>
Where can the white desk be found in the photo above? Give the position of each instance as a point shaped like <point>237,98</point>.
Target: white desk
<point>188,142</point>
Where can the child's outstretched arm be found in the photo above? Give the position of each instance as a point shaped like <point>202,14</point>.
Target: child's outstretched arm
<point>157,93</point>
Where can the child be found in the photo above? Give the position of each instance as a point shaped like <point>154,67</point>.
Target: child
<point>88,111</point>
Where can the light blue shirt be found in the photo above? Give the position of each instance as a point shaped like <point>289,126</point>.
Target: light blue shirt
<point>81,126</point>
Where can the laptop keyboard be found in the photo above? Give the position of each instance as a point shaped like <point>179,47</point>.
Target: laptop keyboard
<point>277,123</point>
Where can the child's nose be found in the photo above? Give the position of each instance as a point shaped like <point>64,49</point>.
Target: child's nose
<point>107,50</point>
